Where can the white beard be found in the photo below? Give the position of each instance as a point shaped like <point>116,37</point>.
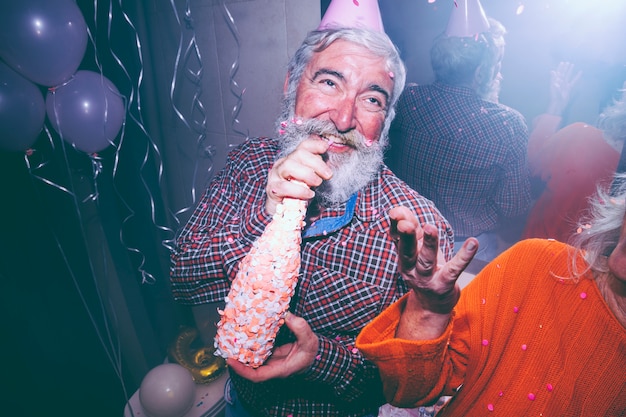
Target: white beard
<point>352,170</point>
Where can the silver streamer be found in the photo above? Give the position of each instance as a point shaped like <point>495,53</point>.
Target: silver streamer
<point>187,55</point>
<point>234,86</point>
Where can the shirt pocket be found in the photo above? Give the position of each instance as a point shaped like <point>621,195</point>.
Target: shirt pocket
<point>335,303</point>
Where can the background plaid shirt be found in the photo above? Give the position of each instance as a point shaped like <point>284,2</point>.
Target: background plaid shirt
<point>347,277</point>
<point>467,155</point>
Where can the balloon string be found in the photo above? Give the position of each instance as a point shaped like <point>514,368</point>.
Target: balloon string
<point>33,168</point>
<point>234,86</point>
<point>113,353</point>
<point>96,169</point>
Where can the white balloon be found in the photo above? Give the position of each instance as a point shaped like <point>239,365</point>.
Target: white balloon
<point>168,390</point>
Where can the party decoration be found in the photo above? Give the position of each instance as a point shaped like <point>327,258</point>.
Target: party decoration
<point>167,390</point>
<point>22,111</point>
<point>467,19</point>
<point>260,293</point>
<point>202,363</point>
<point>44,40</point>
<point>87,111</point>
<point>353,13</point>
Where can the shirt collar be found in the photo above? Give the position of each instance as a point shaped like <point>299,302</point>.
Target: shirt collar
<point>361,205</point>
<point>326,225</point>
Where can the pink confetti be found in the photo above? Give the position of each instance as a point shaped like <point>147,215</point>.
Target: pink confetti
<point>391,74</point>
<point>583,295</point>
<point>483,301</point>
<point>485,342</point>
<point>490,407</point>
<point>531,396</point>
<point>500,394</point>
<point>260,293</point>
<point>549,387</point>
<point>524,347</point>
<point>355,350</point>
<point>318,357</point>
<point>356,3</point>
<point>516,309</point>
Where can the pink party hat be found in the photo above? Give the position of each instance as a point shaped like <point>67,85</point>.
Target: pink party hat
<point>467,19</point>
<point>354,14</point>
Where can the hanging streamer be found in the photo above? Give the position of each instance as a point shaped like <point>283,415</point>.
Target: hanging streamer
<point>186,56</point>
<point>134,112</point>
<point>234,86</point>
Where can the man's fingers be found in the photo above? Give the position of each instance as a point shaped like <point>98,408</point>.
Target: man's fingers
<point>427,254</point>
<point>252,374</point>
<point>405,232</point>
<point>307,340</point>
<point>462,259</point>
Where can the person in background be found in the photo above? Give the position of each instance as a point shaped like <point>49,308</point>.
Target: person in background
<point>454,143</point>
<point>541,330</point>
<point>341,89</point>
<point>569,162</point>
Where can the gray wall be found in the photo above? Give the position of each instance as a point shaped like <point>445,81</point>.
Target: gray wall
<point>243,61</point>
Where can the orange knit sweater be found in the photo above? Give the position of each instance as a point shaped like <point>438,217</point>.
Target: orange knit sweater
<point>521,343</point>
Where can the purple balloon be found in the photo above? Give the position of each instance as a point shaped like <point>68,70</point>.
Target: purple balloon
<point>44,40</point>
<point>22,111</point>
<point>87,111</point>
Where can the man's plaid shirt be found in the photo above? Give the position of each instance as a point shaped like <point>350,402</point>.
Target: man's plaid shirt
<point>465,154</point>
<point>348,276</point>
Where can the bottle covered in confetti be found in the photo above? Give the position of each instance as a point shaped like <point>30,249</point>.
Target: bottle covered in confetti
<point>262,289</point>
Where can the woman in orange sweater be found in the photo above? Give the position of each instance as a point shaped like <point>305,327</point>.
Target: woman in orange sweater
<point>541,331</point>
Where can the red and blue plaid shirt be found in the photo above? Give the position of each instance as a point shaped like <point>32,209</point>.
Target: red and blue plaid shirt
<point>348,276</point>
<point>467,155</point>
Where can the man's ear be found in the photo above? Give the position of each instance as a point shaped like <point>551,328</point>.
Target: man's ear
<point>483,74</point>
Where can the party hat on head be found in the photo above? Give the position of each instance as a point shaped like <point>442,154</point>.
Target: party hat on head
<point>353,14</point>
<point>467,19</point>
